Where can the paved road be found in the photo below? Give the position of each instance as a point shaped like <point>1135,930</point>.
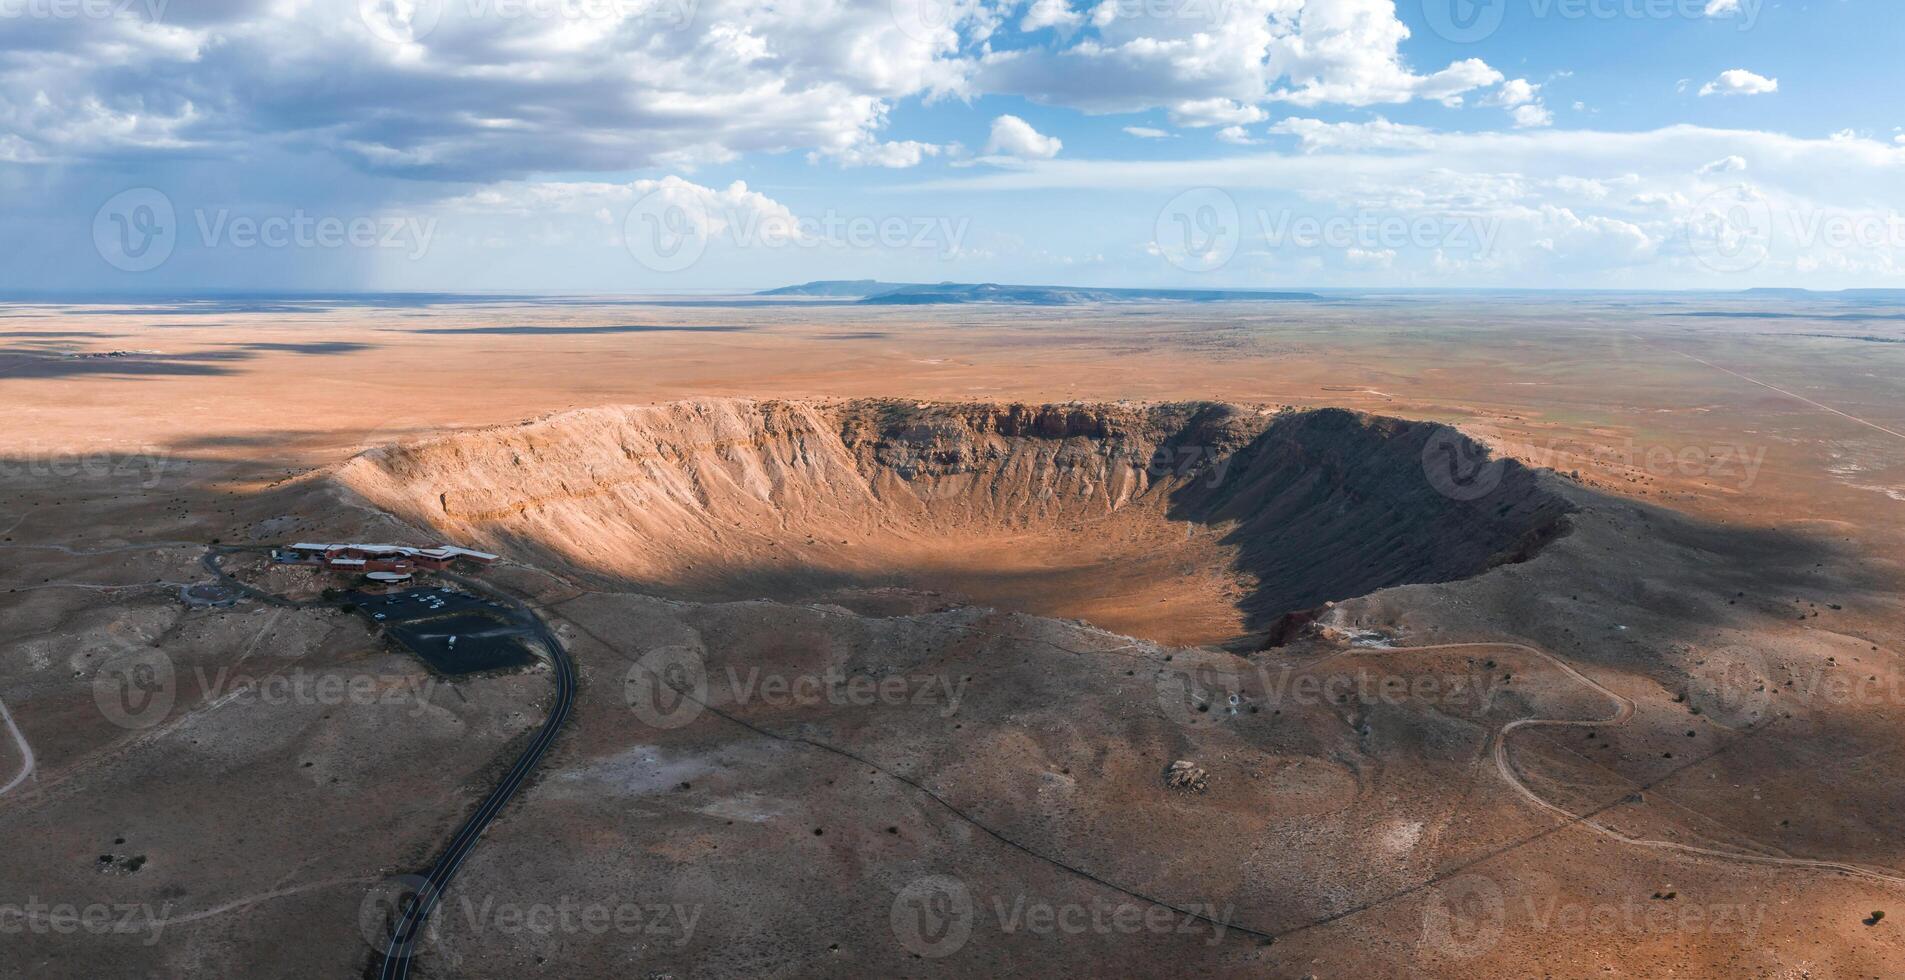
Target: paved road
<point>401,951</point>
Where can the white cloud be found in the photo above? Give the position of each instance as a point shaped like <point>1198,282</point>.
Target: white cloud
<point>1049,13</point>
<point>1514,92</point>
<point>1730,164</point>
<point>483,95</point>
<point>895,154</point>
<point>1315,134</point>
<point>1147,133</point>
<point>1216,112</point>
<point>1236,135</point>
<point>1632,209</point>
<point>1522,99</point>
<point>1532,115</point>
<point>1243,52</point>
<point>1721,8</point>
<point>1739,81</point>
<point>715,212</point>
<point>1014,137</point>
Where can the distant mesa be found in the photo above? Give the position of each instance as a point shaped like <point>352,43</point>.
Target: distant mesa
<point>854,288</point>
<point>878,293</point>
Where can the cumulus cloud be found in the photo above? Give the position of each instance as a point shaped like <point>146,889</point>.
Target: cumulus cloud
<point>1739,81</point>
<point>1237,135</point>
<point>894,154</point>
<point>1216,112</point>
<point>1240,52</point>
<point>1729,164</point>
<point>1314,134</point>
<point>1514,92</point>
<point>1014,137</point>
<point>475,91</point>
<point>1532,115</point>
<point>482,91</point>
<point>1050,13</point>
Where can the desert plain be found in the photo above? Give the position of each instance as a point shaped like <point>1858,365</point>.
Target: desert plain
<point>1150,639</point>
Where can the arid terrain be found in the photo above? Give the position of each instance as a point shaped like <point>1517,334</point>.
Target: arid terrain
<point>892,627</point>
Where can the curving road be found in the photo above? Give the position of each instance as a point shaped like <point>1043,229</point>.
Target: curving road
<point>401,950</point>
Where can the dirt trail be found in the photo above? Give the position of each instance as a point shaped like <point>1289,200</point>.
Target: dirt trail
<point>1623,713</point>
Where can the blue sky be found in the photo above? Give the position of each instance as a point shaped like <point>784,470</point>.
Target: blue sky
<point>661,145</point>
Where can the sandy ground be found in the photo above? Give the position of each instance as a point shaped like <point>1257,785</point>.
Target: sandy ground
<point>1735,560</point>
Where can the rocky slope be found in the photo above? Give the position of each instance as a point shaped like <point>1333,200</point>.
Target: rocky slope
<point>1266,513</point>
